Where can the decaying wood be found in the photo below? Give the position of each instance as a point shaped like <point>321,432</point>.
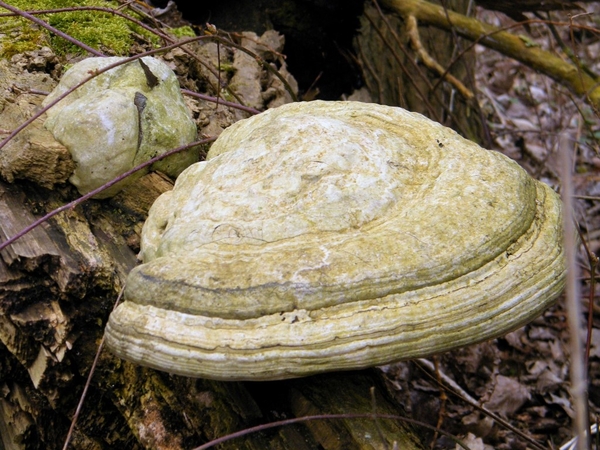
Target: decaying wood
<point>33,154</point>
<point>57,287</point>
<point>52,292</point>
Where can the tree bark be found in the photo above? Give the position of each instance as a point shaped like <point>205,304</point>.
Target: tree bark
<point>394,73</point>
<point>511,45</point>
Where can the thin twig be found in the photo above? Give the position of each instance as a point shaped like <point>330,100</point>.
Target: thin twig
<point>451,386</point>
<point>413,33</point>
<point>376,419</point>
<point>443,401</point>
<point>50,28</point>
<point>96,191</point>
<point>282,423</point>
<point>592,266</point>
<point>221,101</point>
<point>564,47</point>
<point>577,368</point>
<point>588,197</point>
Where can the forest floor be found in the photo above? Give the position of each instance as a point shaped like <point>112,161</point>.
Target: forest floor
<point>524,376</point>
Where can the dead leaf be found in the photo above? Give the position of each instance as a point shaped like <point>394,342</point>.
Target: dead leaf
<point>508,396</point>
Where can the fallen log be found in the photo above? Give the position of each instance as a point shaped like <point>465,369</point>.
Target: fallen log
<point>58,284</point>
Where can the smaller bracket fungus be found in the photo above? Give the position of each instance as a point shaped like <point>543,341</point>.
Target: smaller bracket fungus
<point>120,119</point>
<point>328,236</point>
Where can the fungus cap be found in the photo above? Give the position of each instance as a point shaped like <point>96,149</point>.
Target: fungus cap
<point>120,119</point>
<point>326,236</point>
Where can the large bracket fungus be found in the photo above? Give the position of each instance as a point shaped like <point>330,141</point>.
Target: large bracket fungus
<point>328,236</point>
<point>120,119</point>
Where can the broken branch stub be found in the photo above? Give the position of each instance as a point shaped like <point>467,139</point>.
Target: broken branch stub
<point>327,236</point>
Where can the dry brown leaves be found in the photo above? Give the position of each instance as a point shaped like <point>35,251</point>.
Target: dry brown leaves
<point>524,376</point>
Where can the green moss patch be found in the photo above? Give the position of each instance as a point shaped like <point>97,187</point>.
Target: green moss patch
<point>105,32</point>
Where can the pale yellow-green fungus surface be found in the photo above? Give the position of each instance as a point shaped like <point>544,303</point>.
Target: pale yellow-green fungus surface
<point>120,119</point>
<point>327,236</point>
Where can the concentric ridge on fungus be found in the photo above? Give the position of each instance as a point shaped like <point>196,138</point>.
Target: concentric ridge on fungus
<point>327,236</point>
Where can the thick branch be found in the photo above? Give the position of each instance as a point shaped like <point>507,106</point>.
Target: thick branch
<point>502,41</point>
